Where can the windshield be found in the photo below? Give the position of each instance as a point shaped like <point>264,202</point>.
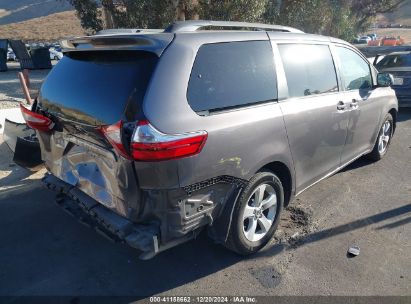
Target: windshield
<point>395,61</point>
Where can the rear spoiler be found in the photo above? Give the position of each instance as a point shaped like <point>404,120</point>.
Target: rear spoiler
<point>155,43</point>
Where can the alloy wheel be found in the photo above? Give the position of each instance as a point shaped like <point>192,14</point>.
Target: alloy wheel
<point>384,138</point>
<point>259,213</point>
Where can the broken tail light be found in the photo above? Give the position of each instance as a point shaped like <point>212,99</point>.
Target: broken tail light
<point>113,134</point>
<point>36,121</point>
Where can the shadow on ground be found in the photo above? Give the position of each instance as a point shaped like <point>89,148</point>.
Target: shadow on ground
<point>46,252</point>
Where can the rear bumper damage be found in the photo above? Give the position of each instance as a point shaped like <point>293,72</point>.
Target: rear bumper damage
<point>167,219</point>
<point>23,143</point>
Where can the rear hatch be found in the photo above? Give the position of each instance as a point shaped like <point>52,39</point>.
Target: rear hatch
<point>87,95</point>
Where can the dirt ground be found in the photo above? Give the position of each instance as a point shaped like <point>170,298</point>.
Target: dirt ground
<point>11,93</point>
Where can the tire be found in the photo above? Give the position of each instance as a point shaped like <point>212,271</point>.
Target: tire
<point>383,140</point>
<point>241,238</point>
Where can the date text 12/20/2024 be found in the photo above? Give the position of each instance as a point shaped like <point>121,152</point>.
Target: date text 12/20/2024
<point>205,299</point>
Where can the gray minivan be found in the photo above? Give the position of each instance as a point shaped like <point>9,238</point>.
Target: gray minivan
<point>153,136</point>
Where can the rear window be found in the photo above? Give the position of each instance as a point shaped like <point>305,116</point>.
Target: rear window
<point>233,74</point>
<point>95,87</point>
<point>395,61</point>
<point>309,69</point>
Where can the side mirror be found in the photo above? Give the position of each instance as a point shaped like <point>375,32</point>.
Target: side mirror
<point>384,79</point>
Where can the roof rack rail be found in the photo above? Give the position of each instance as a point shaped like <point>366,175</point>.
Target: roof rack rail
<point>128,31</point>
<point>194,25</point>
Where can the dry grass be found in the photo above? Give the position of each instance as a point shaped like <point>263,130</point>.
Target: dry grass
<point>50,28</point>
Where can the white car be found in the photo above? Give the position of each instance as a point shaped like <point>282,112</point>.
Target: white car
<point>11,56</point>
<point>55,55</point>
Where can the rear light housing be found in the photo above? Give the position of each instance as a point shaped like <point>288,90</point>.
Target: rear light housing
<point>113,135</point>
<point>36,121</point>
<point>149,144</point>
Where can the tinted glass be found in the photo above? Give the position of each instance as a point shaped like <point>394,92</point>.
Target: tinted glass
<point>395,61</point>
<point>309,69</point>
<point>355,71</point>
<point>94,87</point>
<point>227,75</point>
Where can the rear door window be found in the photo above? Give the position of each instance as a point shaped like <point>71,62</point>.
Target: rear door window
<point>233,74</point>
<point>309,69</point>
<point>355,71</point>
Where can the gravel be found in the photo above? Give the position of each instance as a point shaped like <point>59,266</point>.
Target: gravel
<point>11,93</point>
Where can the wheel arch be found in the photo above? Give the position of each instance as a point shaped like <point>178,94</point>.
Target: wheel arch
<point>284,174</point>
<point>394,114</point>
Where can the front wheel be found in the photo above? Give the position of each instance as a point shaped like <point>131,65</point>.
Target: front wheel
<point>383,140</point>
<point>256,214</point>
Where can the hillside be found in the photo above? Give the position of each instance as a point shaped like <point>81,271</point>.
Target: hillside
<point>12,11</point>
<point>50,28</point>
<point>401,16</point>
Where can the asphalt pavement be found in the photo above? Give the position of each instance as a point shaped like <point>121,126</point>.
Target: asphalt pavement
<point>44,251</point>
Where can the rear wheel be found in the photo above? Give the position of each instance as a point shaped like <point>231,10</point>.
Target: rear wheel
<point>383,139</point>
<point>256,214</point>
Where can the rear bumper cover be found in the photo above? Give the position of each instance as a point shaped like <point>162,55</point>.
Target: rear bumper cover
<point>106,222</point>
<point>169,217</point>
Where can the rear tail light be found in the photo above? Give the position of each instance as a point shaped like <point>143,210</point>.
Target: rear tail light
<point>149,144</point>
<point>113,134</point>
<point>36,121</point>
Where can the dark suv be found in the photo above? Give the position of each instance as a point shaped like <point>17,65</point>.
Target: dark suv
<point>153,136</point>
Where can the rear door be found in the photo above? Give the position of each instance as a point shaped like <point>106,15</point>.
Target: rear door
<point>316,122</point>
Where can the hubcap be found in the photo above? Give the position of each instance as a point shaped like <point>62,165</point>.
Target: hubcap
<point>259,213</point>
<point>384,137</point>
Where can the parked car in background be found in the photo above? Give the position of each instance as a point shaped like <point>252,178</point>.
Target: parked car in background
<point>11,56</point>
<point>55,55</point>
<point>364,40</point>
<point>162,135</point>
<point>399,65</point>
<point>392,41</point>
<point>376,42</point>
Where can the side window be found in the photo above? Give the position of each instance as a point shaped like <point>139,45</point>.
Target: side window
<point>355,70</point>
<point>309,69</point>
<point>227,75</point>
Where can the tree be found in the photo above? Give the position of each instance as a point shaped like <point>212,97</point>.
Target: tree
<point>343,19</point>
<point>364,11</point>
<point>233,10</point>
<point>90,17</point>
<point>311,16</point>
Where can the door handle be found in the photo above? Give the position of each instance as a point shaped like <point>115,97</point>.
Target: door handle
<point>341,106</point>
<point>354,104</point>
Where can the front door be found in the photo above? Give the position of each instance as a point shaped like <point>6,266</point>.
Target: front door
<point>315,120</point>
<point>362,102</point>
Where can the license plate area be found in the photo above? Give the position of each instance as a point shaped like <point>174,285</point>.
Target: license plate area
<point>398,81</point>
